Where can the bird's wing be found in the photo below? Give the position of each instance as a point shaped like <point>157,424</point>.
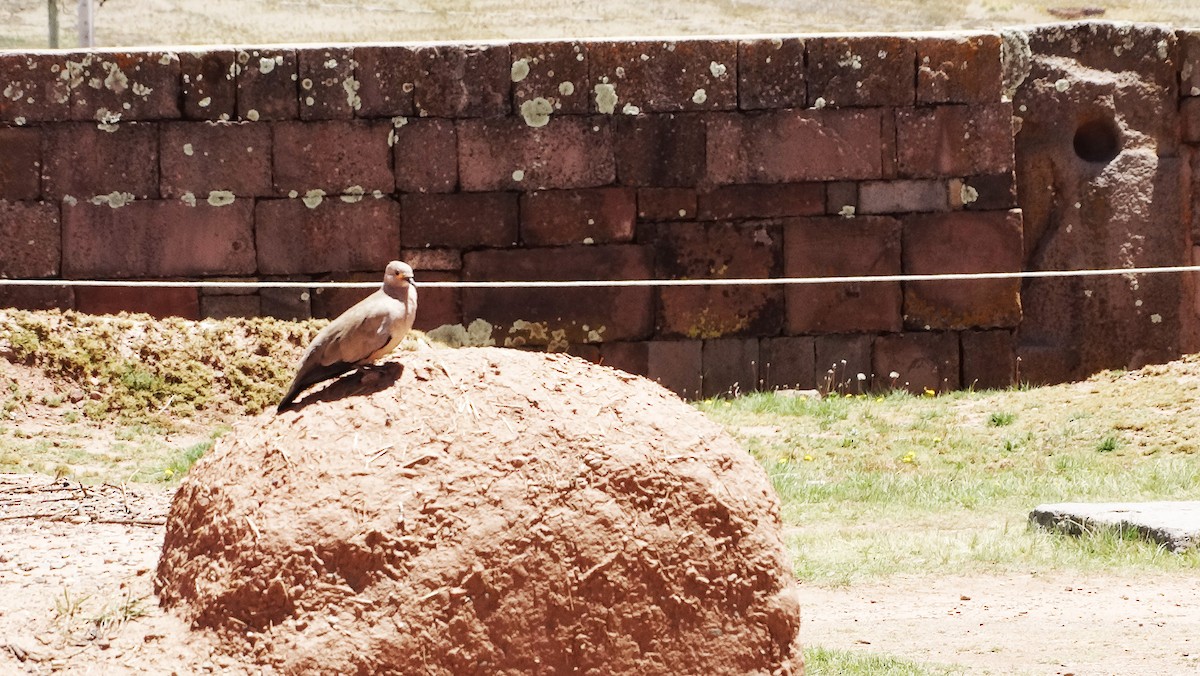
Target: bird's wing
<point>360,331</point>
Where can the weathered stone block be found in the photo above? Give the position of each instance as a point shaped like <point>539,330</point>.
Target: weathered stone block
<point>841,198</point>
<point>663,76</point>
<point>868,70</point>
<point>1189,62</point>
<point>439,260</point>
<point>426,155</point>
<point>954,140</point>
<point>730,367</point>
<point>20,163</point>
<point>991,192</point>
<point>677,365</point>
<point>201,158</point>
<point>895,197</point>
<point>836,247</point>
<point>439,306</point>
<point>717,250</point>
<point>771,73</point>
<point>209,84</point>
<point>83,161</point>
<point>962,242</point>
<point>37,297</point>
<point>329,302</point>
<point>794,146</point>
<point>923,361</point>
<point>30,239</point>
<point>589,216</point>
<point>387,77</point>
<point>267,84</point>
<point>37,87</point>
<point>1189,118</point>
<point>660,150</point>
<point>666,204</point>
<point>787,363</point>
<point>349,158</point>
<point>224,306</point>
<point>1148,49</point>
<point>463,81</point>
<point>331,236</point>
<point>460,220</point>
<point>734,202</point>
<point>156,302</point>
<point>557,317</point>
<point>840,358</point>
<point>959,69</point>
<point>554,71</point>
<point>507,154</point>
<point>158,238</point>
<point>292,304</point>
<point>989,359</point>
<point>125,86</point>
<point>328,88</point>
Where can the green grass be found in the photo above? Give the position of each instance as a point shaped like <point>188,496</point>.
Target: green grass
<point>880,485</point>
<point>822,662</point>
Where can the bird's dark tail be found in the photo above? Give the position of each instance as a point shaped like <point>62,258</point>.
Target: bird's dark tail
<point>306,380</point>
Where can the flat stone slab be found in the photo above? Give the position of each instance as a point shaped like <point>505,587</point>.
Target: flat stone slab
<point>1173,524</point>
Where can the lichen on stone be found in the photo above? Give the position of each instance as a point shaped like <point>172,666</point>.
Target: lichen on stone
<point>536,112</point>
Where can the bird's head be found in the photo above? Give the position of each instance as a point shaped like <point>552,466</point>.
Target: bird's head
<point>398,274</point>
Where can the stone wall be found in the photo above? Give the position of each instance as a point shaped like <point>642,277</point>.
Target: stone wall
<point>786,156</point>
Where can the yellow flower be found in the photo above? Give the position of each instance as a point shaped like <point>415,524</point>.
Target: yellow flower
<point>808,458</point>
<point>929,392</point>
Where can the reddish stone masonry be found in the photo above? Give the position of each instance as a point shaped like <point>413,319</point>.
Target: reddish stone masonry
<point>721,158</point>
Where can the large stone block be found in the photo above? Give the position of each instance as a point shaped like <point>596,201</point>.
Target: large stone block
<point>37,87</point>
<point>20,163</point>
<point>589,216</point>
<point>337,157</point>
<point>387,77</point>
<point>990,192</point>
<point>954,140</point>
<point>666,204</point>
<point>328,88</point>
<point>867,70</point>
<point>1189,118</point>
<point>438,306</point>
<point>989,359</point>
<point>331,236</point>
<point>209,86</point>
<point>82,161</point>
<point>460,220</point>
<point>665,150</point>
<point>267,84</point>
<point>653,76</point>
<point>463,81</point>
<point>922,361</point>
<point>717,250</point>
<point>558,317</point>
<point>959,69</point>
<point>787,362</point>
<point>425,155</point>
<point>507,154</point>
<point>836,247</point>
<point>30,240</point>
<point>554,71</point>
<point>205,157</point>
<point>156,302</point>
<point>771,73</point>
<point>794,146</point>
<point>730,367</point>
<point>223,306</point>
<point>1189,62</point>
<point>901,196</point>
<point>124,86</point>
<point>37,297</point>
<point>839,361</point>
<point>962,242</point>
<point>736,202</point>
<point>157,238</point>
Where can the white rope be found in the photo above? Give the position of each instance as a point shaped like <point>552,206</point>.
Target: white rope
<point>584,283</point>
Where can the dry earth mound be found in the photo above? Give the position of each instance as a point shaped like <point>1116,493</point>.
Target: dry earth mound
<point>485,511</point>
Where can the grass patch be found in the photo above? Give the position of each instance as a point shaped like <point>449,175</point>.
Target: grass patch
<point>878,485</point>
<point>822,662</point>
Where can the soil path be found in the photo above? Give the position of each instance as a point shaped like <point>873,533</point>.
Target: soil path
<point>76,597</point>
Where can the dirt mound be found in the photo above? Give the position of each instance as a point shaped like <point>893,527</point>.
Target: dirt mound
<point>485,511</point>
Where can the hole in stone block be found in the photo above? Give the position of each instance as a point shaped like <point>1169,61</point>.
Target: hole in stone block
<point>1097,140</point>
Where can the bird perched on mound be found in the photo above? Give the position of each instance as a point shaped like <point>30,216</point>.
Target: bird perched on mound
<point>367,331</point>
